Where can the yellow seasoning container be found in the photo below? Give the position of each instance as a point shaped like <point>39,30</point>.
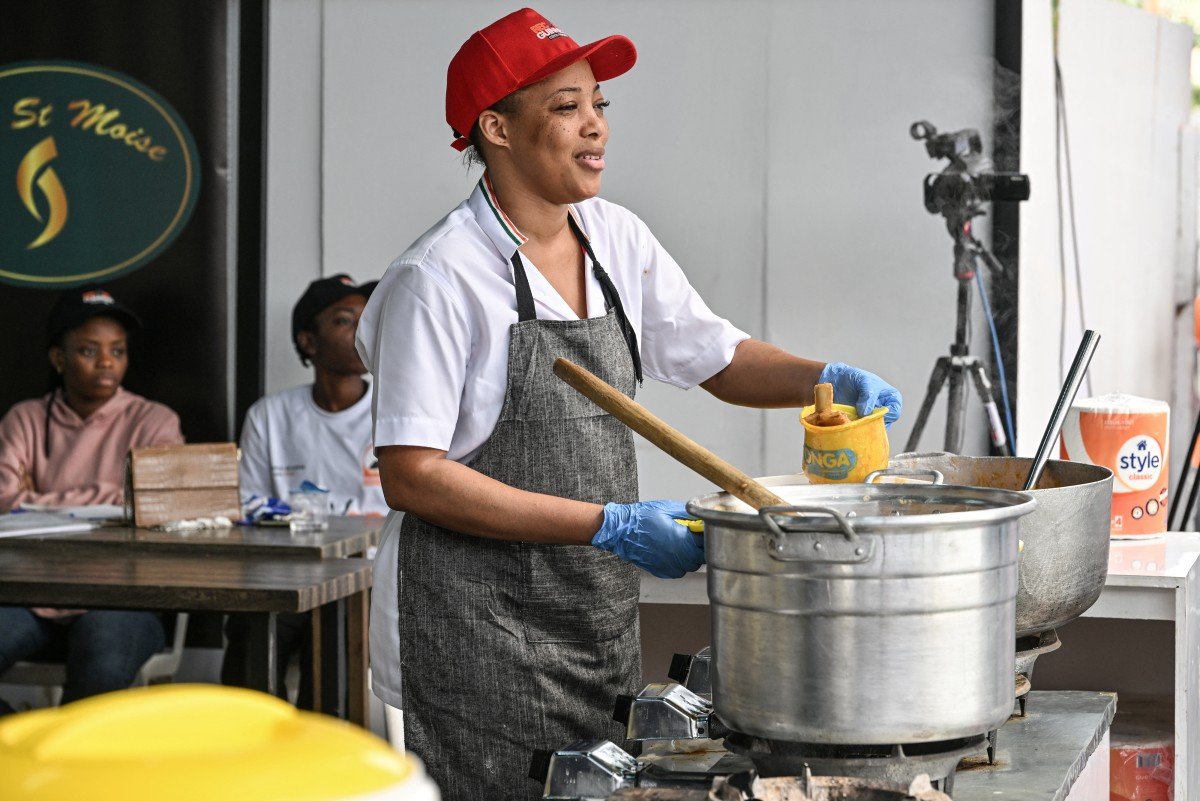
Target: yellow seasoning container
<point>847,453</point>
<point>198,743</point>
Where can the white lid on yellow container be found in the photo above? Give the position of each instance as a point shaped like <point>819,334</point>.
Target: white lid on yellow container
<point>194,742</point>
<point>1119,402</point>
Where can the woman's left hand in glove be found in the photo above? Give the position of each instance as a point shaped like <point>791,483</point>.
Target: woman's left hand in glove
<point>865,391</point>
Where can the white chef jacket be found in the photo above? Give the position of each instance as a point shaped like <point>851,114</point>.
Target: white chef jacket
<point>435,337</point>
<point>435,332</point>
<point>288,438</point>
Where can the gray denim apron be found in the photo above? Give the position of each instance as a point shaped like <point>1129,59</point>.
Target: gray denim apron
<point>507,647</point>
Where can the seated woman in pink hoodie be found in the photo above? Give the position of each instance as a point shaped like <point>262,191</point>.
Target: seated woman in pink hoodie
<point>68,449</point>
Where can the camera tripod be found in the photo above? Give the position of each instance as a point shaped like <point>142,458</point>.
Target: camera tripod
<point>960,364</point>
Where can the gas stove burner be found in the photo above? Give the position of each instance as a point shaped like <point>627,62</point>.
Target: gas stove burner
<point>748,787</point>
<point>1028,650</point>
<point>900,764</point>
<point>598,769</point>
<point>694,671</point>
<point>1031,647</point>
<point>665,712</point>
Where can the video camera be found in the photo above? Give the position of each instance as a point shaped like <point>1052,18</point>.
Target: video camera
<point>968,179</point>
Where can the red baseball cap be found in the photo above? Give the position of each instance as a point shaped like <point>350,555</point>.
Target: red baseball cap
<point>518,51</point>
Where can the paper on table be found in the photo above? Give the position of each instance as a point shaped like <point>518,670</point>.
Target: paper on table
<point>21,523</point>
<point>99,511</point>
<point>105,511</point>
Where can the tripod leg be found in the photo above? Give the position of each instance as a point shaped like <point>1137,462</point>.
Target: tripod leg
<point>988,395</point>
<point>940,370</point>
<point>956,407</point>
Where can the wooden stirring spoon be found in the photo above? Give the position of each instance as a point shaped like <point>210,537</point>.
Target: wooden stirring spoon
<point>825,414</point>
<point>668,439</point>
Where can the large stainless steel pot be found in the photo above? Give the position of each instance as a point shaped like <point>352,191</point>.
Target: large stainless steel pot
<point>863,614</point>
<point>1065,557</point>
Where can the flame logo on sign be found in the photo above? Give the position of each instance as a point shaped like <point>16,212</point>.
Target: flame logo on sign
<point>31,165</point>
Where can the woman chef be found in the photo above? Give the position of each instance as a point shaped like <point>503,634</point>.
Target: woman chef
<point>515,585</point>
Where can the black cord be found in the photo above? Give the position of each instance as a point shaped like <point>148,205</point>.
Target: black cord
<point>1182,483</point>
<point>46,430</point>
<point>1062,252</point>
<point>1191,502</point>
<point>1066,149</point>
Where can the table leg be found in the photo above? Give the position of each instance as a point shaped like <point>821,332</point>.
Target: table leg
<point>314,659</point>
<point>329,659</point>
<point>262,653</point>
<point>358,614</point>
<point>1187,705</point>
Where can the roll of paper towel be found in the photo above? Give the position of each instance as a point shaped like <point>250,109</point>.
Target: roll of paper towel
<point>1128,435</point>
<point>1142,749</point>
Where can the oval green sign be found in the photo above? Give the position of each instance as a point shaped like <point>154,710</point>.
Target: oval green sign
<point>98,174</point>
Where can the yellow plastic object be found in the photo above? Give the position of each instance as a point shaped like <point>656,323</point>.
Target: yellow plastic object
<point>691,524</point>
<point>195,743</point>
<point>845,453</point>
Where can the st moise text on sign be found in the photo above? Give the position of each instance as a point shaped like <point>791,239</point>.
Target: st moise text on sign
<point>94,117</point>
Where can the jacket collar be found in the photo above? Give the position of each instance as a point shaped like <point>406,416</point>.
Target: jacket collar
<point>503,232</point>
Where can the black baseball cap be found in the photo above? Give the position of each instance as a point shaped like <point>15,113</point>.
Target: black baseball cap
<point>76,306</point>
<point>320,295</point>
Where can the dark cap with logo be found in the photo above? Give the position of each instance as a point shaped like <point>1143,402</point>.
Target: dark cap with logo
<point>320,295</point>
<point>76,306</point>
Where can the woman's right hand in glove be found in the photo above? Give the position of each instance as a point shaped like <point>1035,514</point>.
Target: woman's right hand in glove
<point>647,535</point>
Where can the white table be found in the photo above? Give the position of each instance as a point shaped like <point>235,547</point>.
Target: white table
<point>1155,578</point>
<point>691,589</point>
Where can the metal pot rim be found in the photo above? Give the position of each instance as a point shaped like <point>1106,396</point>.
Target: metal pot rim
<point>1007,505</point>
<point>1101,472</point>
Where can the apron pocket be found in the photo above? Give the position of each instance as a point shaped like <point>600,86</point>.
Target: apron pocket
<point>576,594</point>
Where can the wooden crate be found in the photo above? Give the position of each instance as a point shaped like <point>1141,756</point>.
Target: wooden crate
<point>181,482</point>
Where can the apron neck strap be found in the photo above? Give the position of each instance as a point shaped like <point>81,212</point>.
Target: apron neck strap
<point>612,300</point>
<point>525,309</point>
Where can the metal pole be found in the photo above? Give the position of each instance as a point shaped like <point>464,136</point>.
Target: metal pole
<point>956,401</point>
<point>1083,357</point>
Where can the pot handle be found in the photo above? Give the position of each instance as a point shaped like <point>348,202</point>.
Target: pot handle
<point>814,546</point>
<point>913,472</point>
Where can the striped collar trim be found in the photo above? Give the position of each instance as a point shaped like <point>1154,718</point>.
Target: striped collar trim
<point>499,227</point>
<point>506,225</point>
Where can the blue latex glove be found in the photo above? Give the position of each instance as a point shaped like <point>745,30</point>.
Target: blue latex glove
<point>865,391</point>
<point>646,535</point>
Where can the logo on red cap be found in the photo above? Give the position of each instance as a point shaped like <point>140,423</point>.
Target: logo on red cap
<point>545,30</point>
